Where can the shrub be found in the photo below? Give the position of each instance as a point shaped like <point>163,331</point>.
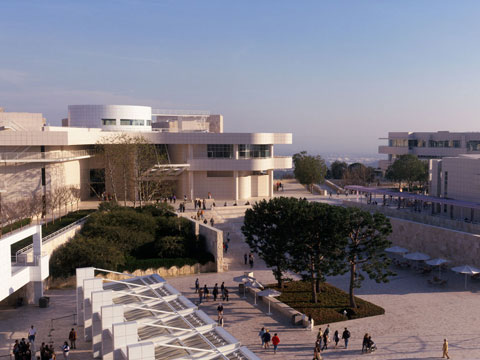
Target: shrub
<point>170,247</point>
<point>331,302</point>
<point>133,264</point>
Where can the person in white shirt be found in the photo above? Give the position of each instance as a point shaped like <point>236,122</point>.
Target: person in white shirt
<point>31,334</point>
<point>65,349</point>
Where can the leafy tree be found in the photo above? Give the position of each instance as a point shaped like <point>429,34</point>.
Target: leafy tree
<point>337,169</point>
<point>317,249</point>
<point>408,168</point>
<point>269,229</point>
<point>358,174</point>
<point>367,240</point>
<point>170,247</point>
<point>309,169</point>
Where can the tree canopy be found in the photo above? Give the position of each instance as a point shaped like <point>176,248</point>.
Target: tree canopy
<point>337,169</point>
<point>408,168</point>
<point>309,169</point>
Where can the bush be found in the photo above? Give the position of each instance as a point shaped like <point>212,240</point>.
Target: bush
<point>16,225</point>
<point>170,247</point>
<point>331,302</point>
<point>133,264</point>
<point>83,252</point>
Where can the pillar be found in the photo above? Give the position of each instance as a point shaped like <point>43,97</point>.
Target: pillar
<point>37,255</point>
<point>190,173</point>
<point>235,179</point>
<point>270,183</point>
<point>82,274</point>
<point>111,314</point>
<point>99,298</point>
<point>142,351</point>
<point>124,334</point>
<point>89,285</point>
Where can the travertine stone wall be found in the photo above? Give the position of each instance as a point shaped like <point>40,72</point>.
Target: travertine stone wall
<point>459,247</point>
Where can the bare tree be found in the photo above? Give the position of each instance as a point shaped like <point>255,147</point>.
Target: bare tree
<point>75,194</point>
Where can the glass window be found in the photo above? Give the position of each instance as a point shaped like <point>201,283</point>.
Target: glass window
<point>109,121</point>
<point>473,145</point>
<point>149,122</point>
<point>219,173</point>
<point>220,151</point>
<point>253,151</point>
<point>129,122</point>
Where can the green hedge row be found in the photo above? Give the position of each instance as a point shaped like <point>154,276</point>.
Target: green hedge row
<point>133,264</point>
<point>16,225</point>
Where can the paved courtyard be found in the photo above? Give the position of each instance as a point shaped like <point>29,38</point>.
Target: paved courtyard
<point>418,315</point>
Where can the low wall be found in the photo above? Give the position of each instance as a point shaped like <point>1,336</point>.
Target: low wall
<point>459,247</point>
<point>170,272</point>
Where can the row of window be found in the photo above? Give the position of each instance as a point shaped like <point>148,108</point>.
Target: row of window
<point>127,122</point>
<point>424,143</point>
<point>245,151</point>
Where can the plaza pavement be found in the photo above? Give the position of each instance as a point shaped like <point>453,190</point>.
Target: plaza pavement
<point>418,316</point>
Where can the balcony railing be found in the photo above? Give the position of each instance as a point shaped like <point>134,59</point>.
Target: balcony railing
<point>45,156</point>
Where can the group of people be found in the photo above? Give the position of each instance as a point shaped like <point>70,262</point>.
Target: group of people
<point>278,186</point>
<point>266,337</point>
<point>249,258</point>
<point>204,293</point>
<point>324,338</point>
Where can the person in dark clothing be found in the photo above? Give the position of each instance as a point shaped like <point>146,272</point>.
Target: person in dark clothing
<point>225,294</point>
<point>336,338</point>
<point>245,257</point>
<point>220,309</point>
<point>206,292</point>
<point>215,292</point>
<point>346,336</point>
<point>222,288</point>
<point>365,343</point>
<point>197,285</point>
<point>266,339</point>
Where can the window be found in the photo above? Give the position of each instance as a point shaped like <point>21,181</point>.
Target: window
<point>149,122</point>
<point>109,121</point>
<point>445,192</point>
<point>398,142</point>
<point>220,151</point>
<point>473,145</point>
<point>253,151</point>
<point>97,182</point>
<point>130,122</point>
<point>219,173</point>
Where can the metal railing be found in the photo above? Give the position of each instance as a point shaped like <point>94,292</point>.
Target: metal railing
<point>52,235</point>
<point>40,156</point>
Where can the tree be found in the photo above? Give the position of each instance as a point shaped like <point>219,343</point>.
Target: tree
<point>269,231</point>
<point>358,174</point>
<point>367,240</point>
<point>309,169</point>
<point>317,249</point>
<point>407,168</point>
<point>337,169</point>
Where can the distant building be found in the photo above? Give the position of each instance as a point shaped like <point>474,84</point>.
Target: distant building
<point>203,160</point>
<point>429,145</point>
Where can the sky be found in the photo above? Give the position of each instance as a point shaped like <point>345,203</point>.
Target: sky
<point>337,74</point>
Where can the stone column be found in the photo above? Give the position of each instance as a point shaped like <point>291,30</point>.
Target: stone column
<point>99,298</point>
<point>124,334</point>
<point>82,274</point>
<point>235,179</point>
<point>142,351</point>
<point>37,255</point>
<point>270,183</point>
<point>111,314</point>
<point>89,285</point>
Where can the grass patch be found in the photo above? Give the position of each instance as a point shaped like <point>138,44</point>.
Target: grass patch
<point>49,228</point>
<point>331,302</point>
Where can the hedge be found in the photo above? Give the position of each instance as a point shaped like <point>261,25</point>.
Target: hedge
<point>133,264</point>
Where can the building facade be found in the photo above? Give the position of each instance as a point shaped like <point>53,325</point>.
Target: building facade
<point>202,159</point>
<point>429,145</point>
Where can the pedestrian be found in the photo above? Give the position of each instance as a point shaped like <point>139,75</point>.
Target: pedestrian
<point>225,294</point>
<point>365,343</point>
<point>266,339</point>
<point>220,309</point>
<point>205,221</point>
<point>311,322</point>
<point>336,338</point>
<point>65,350</point>
<point>212,222</point>
<point>316,354</point>
<point>200,296</point>
<point>31,334</point>
<point>222,287</point>
<point>346,336</point>
<point>260,334</point>
<point>226,247</point>
<point>275,342</point>
<point>250,260</point>
<point>185,198</point>
<point>220,320</point>
<point>445,349</point>
<point>204,207</point>
<point>72,336</point>
<point>206,292</point>
<point>215,292</point>
<point>245,257</point>
<point>197,285</point>
<point>327,330</point>
<point>16,350</point>
<point>325,340</point>
<point>228,237</point>
<point>319,337</point>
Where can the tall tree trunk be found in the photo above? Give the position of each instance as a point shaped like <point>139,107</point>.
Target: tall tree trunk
<point>317,285</point>
<point>352,285</point>
<point>314,292</point>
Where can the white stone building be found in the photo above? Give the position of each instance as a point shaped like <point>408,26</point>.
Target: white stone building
<point>36,158</point>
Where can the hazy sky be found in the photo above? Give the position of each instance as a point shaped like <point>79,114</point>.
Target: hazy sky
<point>337,74</point>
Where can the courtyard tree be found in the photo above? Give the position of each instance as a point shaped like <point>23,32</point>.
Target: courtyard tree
<point>408,168</point>
<point>358,174</point>
<point>364,251</point>
<point>337,169</point>
<point>309,170</point>
<point>317,249</point>
<point>269,229</point>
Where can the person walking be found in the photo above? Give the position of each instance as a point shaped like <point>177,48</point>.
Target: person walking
<point>220,309</point>
<point>311,323</point>
<point>266,339</point>
<point>212,222</point>
<point>200,296</point>
<point>251,260</point>
<point>197,285</point>
<point>319,338</point>
<point>445,349</point>
<point>326,339</point>
<point>215,292</point>
<point>260,334</point>
<point>65,350</point>
<point>245,257</point>
<point>275,342</point>
<point>225,294</point>
<point>365,343</point>
<point>226,247</point>
<point>336,338</point>
<point>206,292</point>
<point>72,336</point>
<point>346,336</point>
<point>316,353</point>
<point>222,287</point>
<point>32,332</point>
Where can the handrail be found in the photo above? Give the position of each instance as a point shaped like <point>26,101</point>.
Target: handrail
<point>53,155</point>
<point>50,236</point>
